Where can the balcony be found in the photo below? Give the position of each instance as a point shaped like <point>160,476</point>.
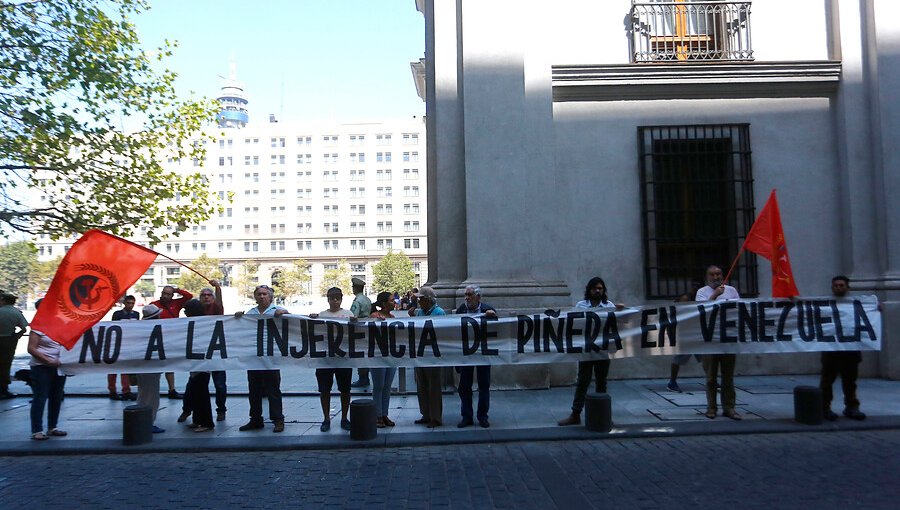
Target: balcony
<point>684,31</point>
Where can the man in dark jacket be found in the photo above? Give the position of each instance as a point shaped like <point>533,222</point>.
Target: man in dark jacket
<point>474,305</point>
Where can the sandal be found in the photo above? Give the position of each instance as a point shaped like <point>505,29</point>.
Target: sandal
<point>387,421</point>
<point>58,433</point>
<point>711,414</point>
<point>39,436</point>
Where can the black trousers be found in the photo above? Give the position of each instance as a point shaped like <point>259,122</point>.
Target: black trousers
<point>264,383</point>
<point>845,364</point>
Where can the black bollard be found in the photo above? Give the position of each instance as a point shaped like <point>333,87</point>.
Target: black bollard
<point>137,425</point>
<point>598,412</point>
<point>808,405</point>
<point>362,419</point>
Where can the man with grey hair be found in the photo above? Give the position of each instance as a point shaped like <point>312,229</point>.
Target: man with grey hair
<point>12,327</point>
<point>474,305</point>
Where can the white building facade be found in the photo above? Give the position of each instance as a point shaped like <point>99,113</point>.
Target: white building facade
<point>637,141</point>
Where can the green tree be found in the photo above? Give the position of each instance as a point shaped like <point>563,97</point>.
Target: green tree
<point>192,282</point>
<point>339,278</point>
<point>18,265</point>
<point>292,282</point>
<point>71,73</point>
<point>393,273</point>
<point>145,288</point>
<point>248,278</point>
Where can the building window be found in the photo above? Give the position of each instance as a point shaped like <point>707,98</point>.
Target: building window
<point>686,30</point>
<point>697,194</point>
<point>382,139</point>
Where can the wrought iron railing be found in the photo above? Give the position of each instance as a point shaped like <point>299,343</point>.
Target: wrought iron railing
<point>687,30</point>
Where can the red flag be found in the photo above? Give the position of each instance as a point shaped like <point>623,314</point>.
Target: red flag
<point>766,239</point>
<point>96,271</point>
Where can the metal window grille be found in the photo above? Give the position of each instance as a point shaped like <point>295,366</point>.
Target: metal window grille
<point>683,30</point>
<point>697,202</point>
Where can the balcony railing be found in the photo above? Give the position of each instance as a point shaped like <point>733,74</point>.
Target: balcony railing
<point>686,30</point>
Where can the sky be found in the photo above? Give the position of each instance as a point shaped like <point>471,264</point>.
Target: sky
<point>302,60</point>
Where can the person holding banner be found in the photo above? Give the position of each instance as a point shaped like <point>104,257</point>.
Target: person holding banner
<point>594,297</point>
<point>264,382</point>
<point>428,379</point>
<point>382,378</point>
<point>360,308</point>
<point>716,290</point>
<point>47,383</point>
<point>148,384</point>
<point>170,307</point>
<point>467,373</point>
<point>325,377</point>
<point>127,313</point>
<point>843,363</point>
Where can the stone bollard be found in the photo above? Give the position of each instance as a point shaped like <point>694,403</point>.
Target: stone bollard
<point>137,425</point>
<point>598,412</point>
<point>808,405</point>
<point>362,419</point>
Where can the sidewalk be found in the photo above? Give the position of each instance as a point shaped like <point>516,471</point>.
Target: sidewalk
<point>641,408</point>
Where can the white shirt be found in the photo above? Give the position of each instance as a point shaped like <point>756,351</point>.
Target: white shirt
<point>269,311</point>
<point>587,304</point>
<point>706,292</point>
<point>340,314</point>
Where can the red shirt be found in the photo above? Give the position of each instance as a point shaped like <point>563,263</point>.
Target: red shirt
<point>173,309</point>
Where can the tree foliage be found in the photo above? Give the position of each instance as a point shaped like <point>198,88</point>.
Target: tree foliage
<point>18,264</point>
<point>393,273</point>
<point>71,73</point>
<point>339,278</point>
<point>292,282</point>
<point>247,278</point>
<point>145,288</point>
<point>205,265</point>
<point>44,273</point>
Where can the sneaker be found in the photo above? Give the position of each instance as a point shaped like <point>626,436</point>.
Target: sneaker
<point>359,383</point>
<point>830,415</point>
<point>326,426</point>
<point>345,424</point>
<point>673,386</point>
<point>252,425</point>
<point>220,416</point>
<point>465,422</point>
<point>184,416</point>
<point>39,436</point>
<point>854,414</point>
<point>114,396</point>
<point>174,395</point>
<point>57,432</point>
<point>572,419</point>
<point>157,430</point>
<point>279,426</point>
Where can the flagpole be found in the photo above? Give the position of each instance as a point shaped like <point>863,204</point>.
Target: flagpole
<point>730,269</point>
<point>185,265</point>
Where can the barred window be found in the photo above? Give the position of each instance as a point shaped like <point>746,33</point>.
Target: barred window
<point>697,196</point>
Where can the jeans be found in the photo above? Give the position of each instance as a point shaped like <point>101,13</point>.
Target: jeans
<point>218,377</point>
<point>600,370</point>
<point>382,379</point>
<point>268,383</point>
<point>466,378</point>
<point>45,384</point>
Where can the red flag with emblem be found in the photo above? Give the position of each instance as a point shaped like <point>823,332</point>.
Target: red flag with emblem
<point>96,271</point>
<point>766,239</point>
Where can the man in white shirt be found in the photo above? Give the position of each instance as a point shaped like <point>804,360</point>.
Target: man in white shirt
<point>264,382</point>
<point>716,290</point>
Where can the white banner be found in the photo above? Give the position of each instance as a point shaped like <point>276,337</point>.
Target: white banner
<point>296,341</point>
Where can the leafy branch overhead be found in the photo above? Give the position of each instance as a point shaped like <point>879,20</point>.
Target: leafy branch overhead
<point>72,75</point>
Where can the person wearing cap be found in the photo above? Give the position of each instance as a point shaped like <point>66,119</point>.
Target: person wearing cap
<point>428,379</point>
<point>264,382</point>
<point>47,383</point>
<point>360,308</point>
<point>148,384</point>
<point>170,307</point>
<point>467,373</point>
<point>12,327</point>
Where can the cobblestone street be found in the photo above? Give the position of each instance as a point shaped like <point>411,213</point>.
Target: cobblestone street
<point>767,471</point>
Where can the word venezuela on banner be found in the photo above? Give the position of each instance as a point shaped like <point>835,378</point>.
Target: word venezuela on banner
<point>265,342</point>
<point>94,274</point>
